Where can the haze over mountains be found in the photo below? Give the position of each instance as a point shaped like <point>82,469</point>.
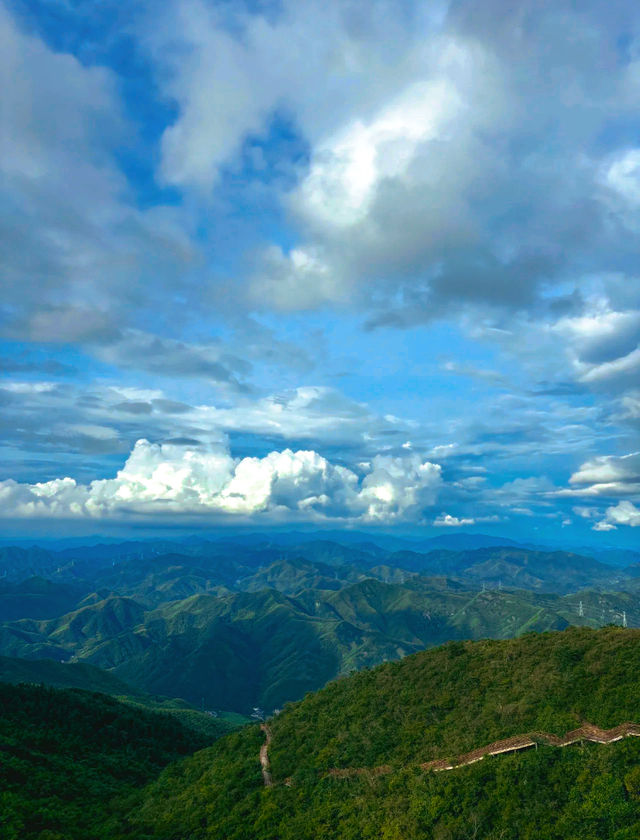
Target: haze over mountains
<point>234,624</point>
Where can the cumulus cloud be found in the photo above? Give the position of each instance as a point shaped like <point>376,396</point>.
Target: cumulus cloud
<point>624,513</point>
<point>603,526</point>
<point>448,521</point>
<point>179,479</point>
<point>607,475</point>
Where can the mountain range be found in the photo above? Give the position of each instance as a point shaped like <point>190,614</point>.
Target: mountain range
<point>356,759</point>
<point>362,656</point>
<point>234,625</point>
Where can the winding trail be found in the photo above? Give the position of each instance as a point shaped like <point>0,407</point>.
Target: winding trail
<point>264,756</point>
<point>588,732</point>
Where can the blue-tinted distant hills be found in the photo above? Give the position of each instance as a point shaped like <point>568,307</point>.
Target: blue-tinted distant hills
<point>262,620</point>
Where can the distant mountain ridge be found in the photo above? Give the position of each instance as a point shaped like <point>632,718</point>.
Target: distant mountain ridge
<point>210,565</point>
<point>266,647</point>
<point>248,624</point>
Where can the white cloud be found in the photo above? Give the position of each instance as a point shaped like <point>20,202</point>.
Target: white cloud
<point>297,280</point>
<point>397,487</point>
<point>347,168</point>
<point>624,513</point>
<point>627,367</point>
<point>310,411</point>
<point>607,475</point>
<point>603,526</point>
<point>234,69</point>
<point>585,512</point>
<point>622,175</point>
<point>630,406</point>
<point>182,480</point>
<point>446,520</point>
<point>78,253</point>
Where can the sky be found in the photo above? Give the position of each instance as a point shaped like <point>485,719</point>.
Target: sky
<point>333,263</point>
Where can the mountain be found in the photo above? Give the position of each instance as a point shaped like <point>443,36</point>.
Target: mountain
<point>62,675</point>
<point>621,557</point>
<point>239,624</point>
<point>549,571</point>
<point>464,542</point>
<point>347,761</point>
<point>296,574</point>
<point>158,572</point>
<point>65,755</point>
<point>266,648</point>
<point>38,597</point>
<point>18,563</point>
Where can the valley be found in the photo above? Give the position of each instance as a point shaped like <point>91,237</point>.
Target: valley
<point>311,689</point>
<point>233,626</point>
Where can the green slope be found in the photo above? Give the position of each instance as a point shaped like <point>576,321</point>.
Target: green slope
<point>61,675</point>
<point>37,597</point>
<point>433,704</point>
<point>66,754</point>
<point>89,678</point>
<point>266,648</point>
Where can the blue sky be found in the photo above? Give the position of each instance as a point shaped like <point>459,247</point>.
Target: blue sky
<point>321,263</point>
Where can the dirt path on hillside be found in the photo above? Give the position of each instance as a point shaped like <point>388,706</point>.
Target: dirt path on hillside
<point>587,732</point>
<point>264,756</point>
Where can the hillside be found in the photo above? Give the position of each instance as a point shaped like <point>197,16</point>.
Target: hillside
<point>38,597</point>
<point>434,704</point>
<point>80,675</point>
<point>265,648</point>
<point>61,675</point>
<point>65,755</point>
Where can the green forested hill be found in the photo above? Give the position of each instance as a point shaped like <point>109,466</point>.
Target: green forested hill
<point>38,597</point>
<point>61,675</point>
<point>89,678</point>
<point>65,754</point>
<point>266,648</point>
<point>433,704</point>
<point>80,765</point>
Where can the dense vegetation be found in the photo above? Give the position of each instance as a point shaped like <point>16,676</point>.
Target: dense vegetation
<point>61,675</point>
<point>265,648</point>
<point>79,765</point>
<point>433,704</point>
<point>248,621</point>
<point>65,755</point>
<point>238,624</point>
<point>581,793</point>
<point>446,701</point>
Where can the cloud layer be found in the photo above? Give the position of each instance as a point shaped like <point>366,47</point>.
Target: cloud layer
<point>180,480</point>
<point>315,228</point>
